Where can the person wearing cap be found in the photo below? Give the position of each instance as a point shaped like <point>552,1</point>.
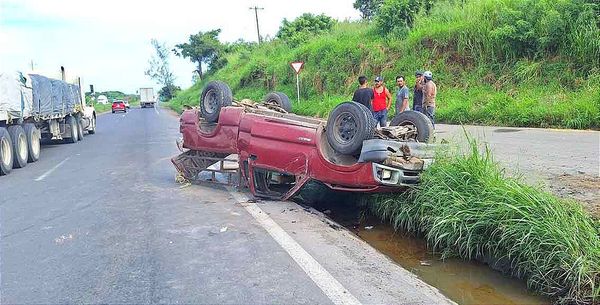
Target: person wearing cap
<point>429,94</point>
<point>382,101</point>
<point>401,95</point>
<point>363,94</point>
<point>418,92</point>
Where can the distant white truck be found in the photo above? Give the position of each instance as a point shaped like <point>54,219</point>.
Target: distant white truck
<point>34,107</point>
<point>147,97</point>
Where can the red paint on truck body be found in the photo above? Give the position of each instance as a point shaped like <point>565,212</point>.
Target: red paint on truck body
<point>273,143</point>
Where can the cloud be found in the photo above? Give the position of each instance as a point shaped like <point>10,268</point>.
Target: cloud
<point>108,41</point>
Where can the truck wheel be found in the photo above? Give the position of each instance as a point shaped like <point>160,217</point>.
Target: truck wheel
<point>73,129</point>
<point>19,139</point>
<point>420,121</point>
<point>6,152</point>
<point>215,96</point>
<point>348,126</point>
<point>79,128</point>
<point>279,99</point>
<point>92,129</point>
<point>33,141</point>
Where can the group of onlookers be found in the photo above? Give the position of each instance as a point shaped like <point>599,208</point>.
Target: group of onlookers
<point>379,99</point>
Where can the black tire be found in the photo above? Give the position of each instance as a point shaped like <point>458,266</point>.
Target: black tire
<point>215,96</point>
<point>73,129</point>
<point>418,120</point>
<point>19,145</point>
<point>348,126</point>
<point>279,99</point>
<point>92,129</point>
<point>79,128</point>
<point>33,142</point>
<point>372,120</point>
<point>113,111</point>
<point>6,152</point>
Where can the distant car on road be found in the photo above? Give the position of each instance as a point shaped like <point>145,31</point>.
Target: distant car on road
<point>126,104</point>
<point>118,106</point>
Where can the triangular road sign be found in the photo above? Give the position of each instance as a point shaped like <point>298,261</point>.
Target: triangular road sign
<point>297,66</point>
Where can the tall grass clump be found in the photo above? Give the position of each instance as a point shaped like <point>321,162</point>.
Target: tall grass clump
<point>465,206</point>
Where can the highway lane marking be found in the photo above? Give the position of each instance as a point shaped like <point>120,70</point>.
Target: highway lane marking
<point>319,275</point>
<point>44,175</point>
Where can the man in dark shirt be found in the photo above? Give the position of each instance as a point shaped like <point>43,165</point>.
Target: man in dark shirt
<point>418,92</point>
<point>363,94</point>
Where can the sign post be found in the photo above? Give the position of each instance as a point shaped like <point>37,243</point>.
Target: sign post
<point>297,66</point>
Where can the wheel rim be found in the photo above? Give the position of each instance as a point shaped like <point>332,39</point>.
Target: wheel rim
<point>74,129</point>
<point>6,151</point>
<point>210,101</point>
<point>346,127</point>
<point>35,143</point>
<point>22,140</point>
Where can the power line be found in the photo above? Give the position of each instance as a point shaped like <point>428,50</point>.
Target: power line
<point>255,8</point>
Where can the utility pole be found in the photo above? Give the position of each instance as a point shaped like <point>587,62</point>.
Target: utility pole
<point>255,8</point>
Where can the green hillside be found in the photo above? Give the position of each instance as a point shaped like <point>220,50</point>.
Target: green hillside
<point>496,62</point>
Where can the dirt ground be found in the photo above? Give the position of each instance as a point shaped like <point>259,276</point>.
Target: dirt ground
<point>583,188</point>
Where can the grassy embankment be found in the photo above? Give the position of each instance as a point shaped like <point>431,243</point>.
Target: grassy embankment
<point>465,206</point>
<point>484,75</point>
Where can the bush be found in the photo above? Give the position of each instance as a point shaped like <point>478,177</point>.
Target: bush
<point>304,27</point>
<point>465,206</point>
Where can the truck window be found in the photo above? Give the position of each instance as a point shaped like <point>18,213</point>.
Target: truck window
<point>272,183</point>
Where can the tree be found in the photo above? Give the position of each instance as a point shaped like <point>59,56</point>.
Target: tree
<point>397,15</point>
<point>203,48</point>
<point>159,69</point>
<point>304,27</point>
<point>368,8</point>
<point>168,92</point>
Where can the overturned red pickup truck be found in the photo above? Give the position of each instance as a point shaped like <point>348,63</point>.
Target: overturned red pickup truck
<point>278,152</point>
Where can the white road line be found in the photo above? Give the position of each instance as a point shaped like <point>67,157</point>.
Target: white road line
<point>40,178</point>
<point>328,284</point>
<point>156,110</point>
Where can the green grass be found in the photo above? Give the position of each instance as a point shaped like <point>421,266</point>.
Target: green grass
<point>482,76</point>
<point>465,206</point>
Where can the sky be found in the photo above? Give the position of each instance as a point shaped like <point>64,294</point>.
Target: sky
<point>107,42</point>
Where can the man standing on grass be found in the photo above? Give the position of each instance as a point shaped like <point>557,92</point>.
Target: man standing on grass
<point>382,101</point>
<point>418,92</point>
<point>429,94</point>
<point>401,95</point>
<point>363,94</point>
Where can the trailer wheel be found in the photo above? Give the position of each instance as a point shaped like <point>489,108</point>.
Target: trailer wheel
<point>280,99</point>
<point>417,119</point>
<point>20,149</point>
<point>6,152</point>
<point>33,141</point>
<point>215,96</point>
<point>73,129</point>
<point>92,129</point>
<point>348,126</point>
<point>79,128</point>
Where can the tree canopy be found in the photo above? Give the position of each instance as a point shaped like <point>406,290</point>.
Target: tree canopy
<point>304,27</point>
<point>203,47</point>
<point>367,8</point>
<point>159,69</point>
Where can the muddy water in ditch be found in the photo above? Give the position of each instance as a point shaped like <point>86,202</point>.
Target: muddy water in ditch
<point>465,282</point>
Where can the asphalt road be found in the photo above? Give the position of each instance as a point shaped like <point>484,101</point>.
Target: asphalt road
<point>102,221</point>
<point>535,152</point>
